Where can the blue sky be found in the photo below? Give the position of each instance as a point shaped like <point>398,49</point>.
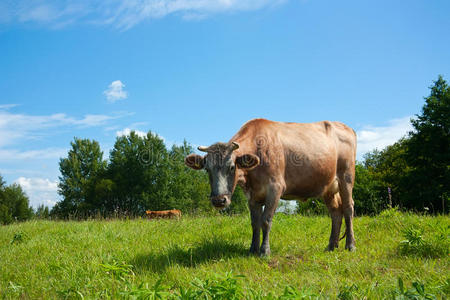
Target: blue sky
<point>197,70</point>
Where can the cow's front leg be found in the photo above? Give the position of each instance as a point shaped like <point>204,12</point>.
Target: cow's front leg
<point>255,214</point>
<point>270,206</point>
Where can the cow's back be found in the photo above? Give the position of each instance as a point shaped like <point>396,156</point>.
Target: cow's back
<point>306,156</point>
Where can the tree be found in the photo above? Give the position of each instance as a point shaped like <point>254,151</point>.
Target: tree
<point>80,173</point>
<point>388,169</point>
<point>428,151</point>
<point>189,188</point>
<point>5,215</point>
<point>369,193</point>
<point>14,203</point>
<point>42,212</point>
<point>141,175</point>
<point>19,203</point>
<point>147,176</point>
<point>416,168</point>
<point>238,202</point>
<point>139,172</point>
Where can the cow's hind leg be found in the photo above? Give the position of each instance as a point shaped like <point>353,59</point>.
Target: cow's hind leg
<point>255,214</point>
<point>345,191</point>
<point>334,205</point>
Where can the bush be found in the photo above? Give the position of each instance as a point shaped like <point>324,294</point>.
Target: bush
<point>437,244</point>
<point>313,206</point>
<point>238,203</point>
<point>416,292</point>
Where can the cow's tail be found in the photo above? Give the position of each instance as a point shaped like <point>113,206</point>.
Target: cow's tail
<point>345,233</point>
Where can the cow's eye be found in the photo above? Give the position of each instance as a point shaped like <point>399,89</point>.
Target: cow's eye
<point>232,168</point>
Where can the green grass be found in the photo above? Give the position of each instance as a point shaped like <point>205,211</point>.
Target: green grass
<point>135,258</point>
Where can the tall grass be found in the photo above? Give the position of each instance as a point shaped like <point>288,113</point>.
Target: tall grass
<point>207,257</point>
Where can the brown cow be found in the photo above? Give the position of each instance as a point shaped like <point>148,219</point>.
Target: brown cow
<point>293,161</point>
<point>155,214</point>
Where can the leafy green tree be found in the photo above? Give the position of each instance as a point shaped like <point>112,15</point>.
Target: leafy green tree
<point>14,203</point>
<point>42,212</point>
<point>238,202</point>
<point>80,173</point>
<point>189,188</point>
<point>5,216</point>
<point>5,213</point>
<point>388,169</point>
<point>19,202</point>
<point>139,170</point>
<point>428,152</point>
<point>146,176</point>
<point>369,193</point>
<point>416,168</point>
<point>105,191</point>
<point>142,174</point>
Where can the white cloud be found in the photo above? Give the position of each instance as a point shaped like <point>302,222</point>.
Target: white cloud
<point>7,106</point>
<point>115,91</point>
<point>92,120</point>
<point>39,190</point>
<point>14,127</point>
<point>372,137</point>
<point>127,131</point>
<point>122,14</point>
<point>8,155</point>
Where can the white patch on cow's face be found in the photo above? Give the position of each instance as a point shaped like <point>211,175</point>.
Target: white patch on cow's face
<point>222,172</point>
<point>222,184</point>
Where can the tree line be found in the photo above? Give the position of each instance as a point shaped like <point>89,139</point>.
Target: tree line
<point>416,169</point>
<point>413,173</point>
<point>142,174</point>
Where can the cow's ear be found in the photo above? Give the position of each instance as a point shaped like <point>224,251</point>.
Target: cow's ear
<point>247,161</point>
<point>194,161</point>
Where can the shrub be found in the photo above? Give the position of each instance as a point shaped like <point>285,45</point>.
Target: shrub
<point>348,292</point>
<point>389,213</point>
<point>313,206</point>
<point>416,292</point>
<point>437,243</point>
<point>19,237</point>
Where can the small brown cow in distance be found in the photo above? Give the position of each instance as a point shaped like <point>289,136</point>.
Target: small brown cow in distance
<point>156,214</point>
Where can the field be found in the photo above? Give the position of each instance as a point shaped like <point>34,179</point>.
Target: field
<point>203,257</point>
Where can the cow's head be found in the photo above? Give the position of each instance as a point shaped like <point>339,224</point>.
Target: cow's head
<point>223,165</point>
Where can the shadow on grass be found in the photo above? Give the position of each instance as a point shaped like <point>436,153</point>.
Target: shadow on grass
<point>206,250</point>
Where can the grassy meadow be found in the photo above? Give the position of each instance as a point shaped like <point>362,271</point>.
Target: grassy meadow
<point>203,257</point>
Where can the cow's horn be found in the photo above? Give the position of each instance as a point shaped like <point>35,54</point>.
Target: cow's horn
<point>203,148</point>
<point>235,146</point>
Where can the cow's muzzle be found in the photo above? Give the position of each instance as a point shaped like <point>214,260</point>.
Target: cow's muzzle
<point>221,201</point>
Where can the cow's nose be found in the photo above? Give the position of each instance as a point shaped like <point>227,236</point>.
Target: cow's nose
<point>219,201</point>
<point>222,201</point>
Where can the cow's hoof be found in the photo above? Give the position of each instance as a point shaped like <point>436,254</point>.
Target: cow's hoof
<point>350,247</point>
<point>329,248</point>
<point>264,252</point>
<point>253,252</point>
